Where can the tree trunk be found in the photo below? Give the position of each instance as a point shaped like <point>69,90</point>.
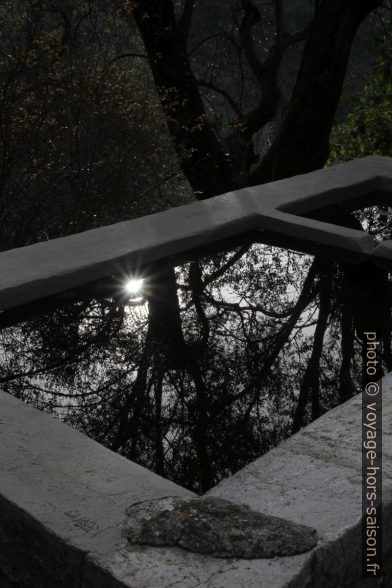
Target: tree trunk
<point>164,349</point>
<point>197,146</point>
<point>311,379</point>
<point>346,386</point>
<point>302,143</point>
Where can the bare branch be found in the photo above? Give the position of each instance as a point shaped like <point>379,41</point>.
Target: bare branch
<point>229,263</point>
<point>131,55</point>
<point>223,93</point>
<point>238,307</point>
<point>265,72</point>
<point>296,37</point>
<point>223,36</point>
<point>250,19</point>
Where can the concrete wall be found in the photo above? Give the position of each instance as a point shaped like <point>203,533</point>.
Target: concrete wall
<point>63,499</point>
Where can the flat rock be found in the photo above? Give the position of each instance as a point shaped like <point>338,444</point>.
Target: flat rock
<point>217,527</point>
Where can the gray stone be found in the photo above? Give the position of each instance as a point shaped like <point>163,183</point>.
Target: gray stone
<point>217,527</point>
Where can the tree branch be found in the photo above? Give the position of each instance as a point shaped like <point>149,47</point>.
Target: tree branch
<point>224,94</point>
<point>279,20</point>
<point>250,19</point>
<point>124,55</point>
<point>302,144</point>
<point>308,293</point>
<point>186,18</point>
<point>265,72</point>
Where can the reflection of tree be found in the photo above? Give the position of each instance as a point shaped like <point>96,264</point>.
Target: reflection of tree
<point>311,378</point>
<point>346,385</point>
<point>222,359</point>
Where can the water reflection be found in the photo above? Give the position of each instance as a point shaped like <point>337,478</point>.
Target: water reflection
<point>202,367</point>
<point>134,287</point>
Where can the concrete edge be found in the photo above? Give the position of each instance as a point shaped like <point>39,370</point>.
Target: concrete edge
<point>47,268</point>
<point>63,499</point>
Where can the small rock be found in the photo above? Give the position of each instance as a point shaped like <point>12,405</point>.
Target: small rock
<point>216,527</point>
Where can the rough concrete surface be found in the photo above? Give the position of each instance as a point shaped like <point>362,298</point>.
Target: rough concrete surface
<point>62,496</point>
<point>64,502</point>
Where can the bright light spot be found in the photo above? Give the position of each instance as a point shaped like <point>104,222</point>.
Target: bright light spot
<point>134,286</point>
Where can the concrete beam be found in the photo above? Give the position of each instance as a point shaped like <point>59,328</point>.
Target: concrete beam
<point>46,268</point>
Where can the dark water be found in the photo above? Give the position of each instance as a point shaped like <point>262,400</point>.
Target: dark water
<point>208,365</point>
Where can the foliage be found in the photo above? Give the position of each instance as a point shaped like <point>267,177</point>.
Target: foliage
<point>81,140</point>
<point>367,129</point>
